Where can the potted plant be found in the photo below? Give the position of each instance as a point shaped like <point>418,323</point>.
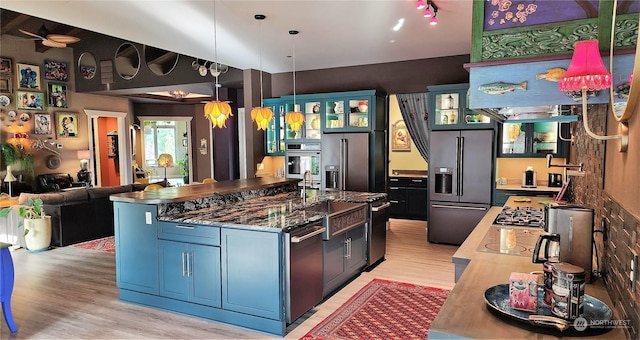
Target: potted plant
<point>37,225</point>
<point>184,169</point>
<point>9,153</point>
<point>27,162</point>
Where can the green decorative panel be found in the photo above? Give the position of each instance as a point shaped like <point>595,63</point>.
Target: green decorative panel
<point>626,31</point>
<point>536,41</point>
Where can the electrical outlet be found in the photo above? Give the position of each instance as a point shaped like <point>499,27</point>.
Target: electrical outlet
<point>634,271</point>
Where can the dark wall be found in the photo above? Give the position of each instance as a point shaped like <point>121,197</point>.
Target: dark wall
<point>399,77</point>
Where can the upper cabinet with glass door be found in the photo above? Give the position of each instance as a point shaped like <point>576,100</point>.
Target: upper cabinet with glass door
<point>353,111</point>
<point>448,109</point>
<point>275,133</point>
<point>533,139</point>
<point>310,106</point>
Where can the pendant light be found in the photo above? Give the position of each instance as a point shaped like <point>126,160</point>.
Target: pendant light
<point>261,115</point>
<point>216,111</point>
<point>294,118</point>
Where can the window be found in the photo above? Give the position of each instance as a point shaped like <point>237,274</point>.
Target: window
<point>159,138</point>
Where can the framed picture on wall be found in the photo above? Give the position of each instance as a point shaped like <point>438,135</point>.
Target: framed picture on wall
<point>67,125</point>
<point>5,67</point>
<point>5,84</point>
<point>29,100</point>
<point>55,70</point>
<point>42,124</point>
<point>57,95</point>
<point>28,76</point>
<point>400,138</point>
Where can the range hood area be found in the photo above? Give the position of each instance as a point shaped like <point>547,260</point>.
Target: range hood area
<point>528,91</point>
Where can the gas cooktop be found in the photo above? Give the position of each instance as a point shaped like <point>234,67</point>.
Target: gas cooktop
<point>520,217</point>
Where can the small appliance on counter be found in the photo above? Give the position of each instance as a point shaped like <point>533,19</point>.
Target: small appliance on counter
<point>555,180</point>
<point>529,178</point>
<point>574,225</point>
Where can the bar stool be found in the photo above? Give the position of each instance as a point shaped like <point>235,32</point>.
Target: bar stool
<point>6,285</point>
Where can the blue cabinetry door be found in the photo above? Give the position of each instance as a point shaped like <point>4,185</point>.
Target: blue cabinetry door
<point>190,272</point>
<point>252,273</point>
<point>173,270</point>
<point>136,247</point>
<point>205,275</point>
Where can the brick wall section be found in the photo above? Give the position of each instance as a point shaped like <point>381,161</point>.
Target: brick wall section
<point>621,228</point>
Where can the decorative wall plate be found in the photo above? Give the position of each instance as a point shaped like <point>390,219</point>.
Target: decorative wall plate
<point>53,162</point>
<point>25,117</point>
<point>12,115</point>
<point>4,100</point>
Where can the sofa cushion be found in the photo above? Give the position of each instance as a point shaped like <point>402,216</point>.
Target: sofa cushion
<point>107,191</point>
<point>49,198</point>
<point>54,182</point>
<point>75,195</point>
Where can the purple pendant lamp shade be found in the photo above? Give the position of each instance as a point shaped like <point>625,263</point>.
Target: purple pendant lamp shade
<point>586,70</point>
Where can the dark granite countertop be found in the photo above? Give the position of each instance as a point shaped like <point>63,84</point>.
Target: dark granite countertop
<point>199,191</point>
<point>276,213</point>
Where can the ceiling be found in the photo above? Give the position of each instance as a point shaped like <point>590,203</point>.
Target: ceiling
<point>333,33</point>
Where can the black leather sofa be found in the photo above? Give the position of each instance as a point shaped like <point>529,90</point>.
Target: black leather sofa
<point>80,214</point>
<point>55,182</point>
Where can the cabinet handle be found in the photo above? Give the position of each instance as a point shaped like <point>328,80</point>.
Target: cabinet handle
<point>185,227</point>
<point>417,180</point>
<point>394,188</point>
<point>183,263</point>
<point>392,201</point>
<point>189,257</point>
<point>347,243</point>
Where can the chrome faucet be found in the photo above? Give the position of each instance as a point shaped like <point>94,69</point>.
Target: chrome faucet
<point>304,186</point>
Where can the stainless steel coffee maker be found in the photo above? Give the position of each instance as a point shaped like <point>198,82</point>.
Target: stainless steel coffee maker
<point>574,225</point>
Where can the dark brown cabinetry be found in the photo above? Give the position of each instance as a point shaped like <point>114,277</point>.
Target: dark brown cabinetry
<point>408,198</point>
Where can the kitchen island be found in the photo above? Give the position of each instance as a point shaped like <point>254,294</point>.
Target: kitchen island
<point>217,251</point>
<point>465,313</point>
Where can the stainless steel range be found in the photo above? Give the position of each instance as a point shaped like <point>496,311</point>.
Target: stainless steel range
<point>520,217</point>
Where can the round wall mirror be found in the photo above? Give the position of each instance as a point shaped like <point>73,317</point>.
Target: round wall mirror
<point>160,62</point>
<point>127,61</point>
<point>87,65</point>
<point>627,110</point>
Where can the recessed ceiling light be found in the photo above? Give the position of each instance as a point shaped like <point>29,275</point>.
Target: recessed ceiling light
<point>399,24</point>
<point>392,41</point>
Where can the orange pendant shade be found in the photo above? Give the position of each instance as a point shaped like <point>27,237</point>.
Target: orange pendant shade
<point>294,119</point>
<point>217,112</point>
<point>262,116</point>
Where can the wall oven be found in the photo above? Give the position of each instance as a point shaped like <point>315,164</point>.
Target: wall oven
<point>300,157</point>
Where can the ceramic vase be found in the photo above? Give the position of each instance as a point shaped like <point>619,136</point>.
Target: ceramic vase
<point>39,236</point>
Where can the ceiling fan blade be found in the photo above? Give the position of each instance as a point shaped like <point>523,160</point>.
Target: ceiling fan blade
<point>64,39</point>
<point>51,43</point>
<point>31,34</point>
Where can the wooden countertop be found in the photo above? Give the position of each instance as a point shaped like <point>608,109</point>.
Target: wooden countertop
<point>196,191</point>
<point>520,188</point>
<point>465,314</point>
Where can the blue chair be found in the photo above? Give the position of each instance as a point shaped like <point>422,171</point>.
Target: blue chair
<point>6,285</point>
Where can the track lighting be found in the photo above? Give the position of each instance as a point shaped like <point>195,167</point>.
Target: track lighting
<point>430,10</point>
<point>420,4</point>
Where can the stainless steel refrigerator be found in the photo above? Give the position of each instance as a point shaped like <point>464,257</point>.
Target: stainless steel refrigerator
<point>354,161</point>
<point>460,183</point>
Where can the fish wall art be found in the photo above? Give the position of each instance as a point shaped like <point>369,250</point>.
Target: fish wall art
<point>552,74</point>
<point>502,87</point>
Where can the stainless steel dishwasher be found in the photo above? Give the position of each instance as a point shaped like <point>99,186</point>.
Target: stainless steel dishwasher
<point>303,254</point>
<point>377,232</point>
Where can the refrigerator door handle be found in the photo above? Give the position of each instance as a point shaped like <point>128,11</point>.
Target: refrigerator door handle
<point>457,207</point>
<point>461,169</point>
<point>343,163</point>
<point>457,174</point>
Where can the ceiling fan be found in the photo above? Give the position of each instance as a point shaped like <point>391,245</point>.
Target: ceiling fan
<point>51,40</point>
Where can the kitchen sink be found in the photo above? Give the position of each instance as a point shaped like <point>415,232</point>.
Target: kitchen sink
<point>340,216</point>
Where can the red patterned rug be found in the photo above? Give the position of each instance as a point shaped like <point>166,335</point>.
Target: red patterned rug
<point>107,244</point>
<point>383,310</point>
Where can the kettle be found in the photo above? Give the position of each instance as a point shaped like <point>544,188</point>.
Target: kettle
<point>551,245</point>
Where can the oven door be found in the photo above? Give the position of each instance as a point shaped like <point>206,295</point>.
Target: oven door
<point>300,161</point>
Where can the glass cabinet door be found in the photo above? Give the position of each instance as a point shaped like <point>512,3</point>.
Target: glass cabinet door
<point>334,114</point>
<point>447,109</point>
<point>312,120</point>
<point>275,129</point>
<point>545,138</point>
<point>288,133</point>
<point>514,138</point>
<point>359,113</point>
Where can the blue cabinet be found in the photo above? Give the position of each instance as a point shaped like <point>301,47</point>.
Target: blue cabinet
<point>344,256</point>
<point>136,244</point>
<point>448,109</point>
<point>252,273</point>
<point>190,272</point>
<point>275,133</point>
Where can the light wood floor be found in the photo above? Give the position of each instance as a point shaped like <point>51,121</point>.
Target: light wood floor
<point>70,293</point>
